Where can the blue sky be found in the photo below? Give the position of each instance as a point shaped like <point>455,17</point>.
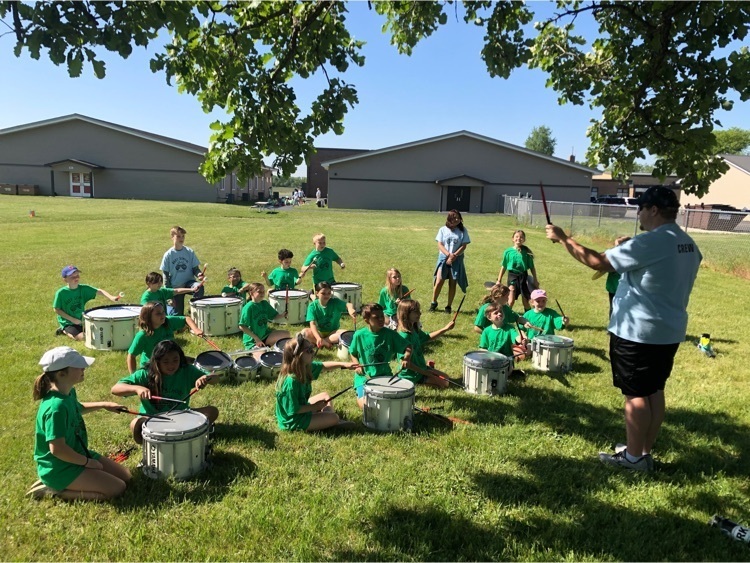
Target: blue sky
<point>443,87</point>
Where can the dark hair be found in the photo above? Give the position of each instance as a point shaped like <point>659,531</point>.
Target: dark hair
<point>497,292</point>
<point>43,383</point>
<point>154,373</point>
<point>284,254</point>
<point>523,246</point>
<point>491,308</point>
<point>292,362</point>
<point>322,285</point>
<point>455,215</point>
<point>154,277</point>
<point>232,270</point>
<point>370,309</point>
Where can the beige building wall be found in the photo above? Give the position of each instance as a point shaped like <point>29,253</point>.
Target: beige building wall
<point>733,188</point>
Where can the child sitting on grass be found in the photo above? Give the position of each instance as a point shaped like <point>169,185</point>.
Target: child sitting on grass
<point>539,319</point>
<point>284,276</point>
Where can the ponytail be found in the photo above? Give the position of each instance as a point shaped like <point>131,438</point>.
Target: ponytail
<point>293,363</point>
<point>43,383</point>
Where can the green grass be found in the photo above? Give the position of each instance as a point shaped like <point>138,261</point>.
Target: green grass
<point>521,482</point>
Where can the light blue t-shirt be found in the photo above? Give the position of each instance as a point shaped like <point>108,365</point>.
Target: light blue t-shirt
<point>452,239</point>
<point>179,265</point>
<point>658,269</point>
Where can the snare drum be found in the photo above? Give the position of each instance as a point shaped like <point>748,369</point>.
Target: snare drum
<point>298,301</point>
<point>111,327</point>
<point>270,365</point>
<point>345,340</point>
<point>280,343</point>
<point>552,353</point>
<point>245,368</point>
<point>177,447</point>
<point>349,292</point>
<point>216,315</point>
<point>486,373</point>
<point>214,362</point>
<point>389,407</point>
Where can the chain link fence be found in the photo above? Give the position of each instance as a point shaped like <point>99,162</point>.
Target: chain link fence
<point>723,236</point>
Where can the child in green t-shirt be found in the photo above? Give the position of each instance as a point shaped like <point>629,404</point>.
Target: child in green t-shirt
<point>324,316</point>
<point>540,319</point>
<point>391,295</point>
<point>255,317</point>
<point>321,261</point>
<point>70,302</point>
<point>296,409</point>
<point>408,315</point>
<point>283,277</point>
<point>518,260</point>
<point>66,467</point>
<point>168,375</point>
<point>498,295</point>
<point>157,292</point>
<point>499,337</point>
<point>375,346</point>
<point>235,286</point>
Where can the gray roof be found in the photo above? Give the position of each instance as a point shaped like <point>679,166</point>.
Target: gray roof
<point>463,133</point>
<point>739,161</point>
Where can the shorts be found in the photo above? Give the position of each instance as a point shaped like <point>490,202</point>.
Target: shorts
<point>520,282</point>
<point>73,330</point>
<point>640,370</point>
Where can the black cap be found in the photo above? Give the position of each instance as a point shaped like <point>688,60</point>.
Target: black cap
<point>659,196</point>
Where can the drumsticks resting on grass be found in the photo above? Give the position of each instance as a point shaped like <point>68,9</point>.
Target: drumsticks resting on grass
<point>210,342</point>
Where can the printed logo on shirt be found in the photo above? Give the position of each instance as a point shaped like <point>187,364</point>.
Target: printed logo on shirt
<point>687,247</point>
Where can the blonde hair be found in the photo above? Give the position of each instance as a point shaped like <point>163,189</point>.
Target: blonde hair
<point>293,362</point>
<point>393,290</point>
<point>317,237</point>
<point>177,229</point>
<point>253,287</point>
<point>405,309</point>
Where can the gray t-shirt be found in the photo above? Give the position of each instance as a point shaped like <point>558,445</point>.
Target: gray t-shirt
<point>179,265</point>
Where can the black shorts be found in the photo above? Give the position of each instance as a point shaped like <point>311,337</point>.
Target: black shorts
<point>73,330</point>
<point>640,370</point>
<point>521,283</point>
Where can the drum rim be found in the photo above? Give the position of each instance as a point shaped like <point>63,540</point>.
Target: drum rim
<point>544,343</point>
<point>227,360</point>
<point>232,300</point>
<point>495,361</point>
<point>354,285</point>
<point>389,392</point>
<point>113,306</point>
<point>349,334</point>
<point>183,436</point>
<point>248,357</point>
<point>282,292</point>
<point>264,364</point>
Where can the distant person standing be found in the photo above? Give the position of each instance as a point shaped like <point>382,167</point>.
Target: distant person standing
<point>318,197</point>
<point>649,316</point>
<point>180,267</point>
<point>452,239</point>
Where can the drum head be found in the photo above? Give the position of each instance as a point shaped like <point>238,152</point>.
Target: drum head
<point>215,301</point>
<point>396,389</point>
<point>271,359</point>
<point>280,343</point>
<point>554,341</point>
<point>212,361</point>
<point>293,294</point>
<point>346,285</point>
<point>480,359</point>
<point>181,426</point>
<point>244,362</point>
<point>113,312</point>
<point>346,338</point>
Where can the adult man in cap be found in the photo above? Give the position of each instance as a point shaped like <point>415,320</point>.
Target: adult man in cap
<point>649,316</point>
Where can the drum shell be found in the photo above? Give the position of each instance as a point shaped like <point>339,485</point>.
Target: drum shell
<point>216,315</point>
<point>350,292</point>
<point>279,344</point>
<point>178,451</point>
<point>216,362</point>
<point>298,302</point>
<point>388,408</point>
<point>552,353</point>
<point>270,365</point>
<point>106,332</point>
<point>486,373</point>
<point>244,369</point>
<point>345,340</point>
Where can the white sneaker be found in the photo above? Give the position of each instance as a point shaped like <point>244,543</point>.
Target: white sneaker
<point>618,459</point>
<point>622,447</point>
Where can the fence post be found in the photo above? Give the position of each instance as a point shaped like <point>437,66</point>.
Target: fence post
<point>572,211</point>
<point>635,225</point>
<point>687,220</point>
<point>599,221</point>
<point>531,212</point>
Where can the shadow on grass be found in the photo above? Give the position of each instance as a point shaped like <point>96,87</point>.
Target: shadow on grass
<point>598,352</point>
<point>209,486</point>
<point>694,338</point>
<point>240,432</point>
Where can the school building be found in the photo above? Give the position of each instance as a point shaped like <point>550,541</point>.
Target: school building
<point>79,156</point>
<point>461,170</point>
<point>732,188</point>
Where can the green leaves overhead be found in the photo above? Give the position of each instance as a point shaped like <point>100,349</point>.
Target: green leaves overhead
<point>657,71</point>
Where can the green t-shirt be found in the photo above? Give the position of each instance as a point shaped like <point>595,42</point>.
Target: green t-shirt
<point>613,281</point>
<point>283,279</point>
<point>416,340</point>
<point>324,259</point>
<point>59,416</point>
<point>73,302</point>
<point>175,386</point>
<point>328,318</point>
<point>144,344</point>
<point>517,261</point>
<point>256,317</point>
<point>389,303</point>
<point>160,296</point>
<point>509,317</point>
<point>548,320</point>
<point>233,288</point>
<point>498,340</point>
<point>375,347</point>
<point>292,394</point>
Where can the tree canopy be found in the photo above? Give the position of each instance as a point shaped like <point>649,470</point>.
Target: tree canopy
<point>541,140</point>
<point>658,71</point>
<point>732,141</point>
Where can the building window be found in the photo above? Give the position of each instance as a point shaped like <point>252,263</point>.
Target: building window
<point>623,192</point>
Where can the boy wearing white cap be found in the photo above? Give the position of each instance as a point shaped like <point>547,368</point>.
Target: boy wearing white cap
<point>540,317</point>
<point>65,465</point>
<point>70,302</point>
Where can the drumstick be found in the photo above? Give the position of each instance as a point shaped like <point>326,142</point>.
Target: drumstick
<point>558,306</point>
<point>127,410</point>
<point>339,393</point>
<point>210,342</point>
<point>459,308</point>
<point>375,364</point>
<point>490,284</point>
<point>192,392</point>
<point>428,413</point>
<point>286,301</point>
<point>448,380</point>
<point>598,274</point>
<point>203,273</point>
<point>405,295</point>
<point>120,296</point>
<point>157,398</point>
<point>544,203</point>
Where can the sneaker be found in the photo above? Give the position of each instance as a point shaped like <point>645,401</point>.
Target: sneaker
<point>618,459</point>
<point>448,309</point>
<point>39,490</point>
<point>59,331</point>
<point>622,447</point>
<point>433,306</point>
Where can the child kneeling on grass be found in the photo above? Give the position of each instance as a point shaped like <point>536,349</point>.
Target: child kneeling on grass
<point>296,409</point>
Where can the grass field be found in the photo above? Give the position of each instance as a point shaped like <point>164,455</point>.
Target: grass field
<point>521,482</point>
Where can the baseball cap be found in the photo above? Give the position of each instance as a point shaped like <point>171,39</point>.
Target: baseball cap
<point>69,270</point>
<point>537,293</point>
<point>659,196</point>
<point>64,357</point>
